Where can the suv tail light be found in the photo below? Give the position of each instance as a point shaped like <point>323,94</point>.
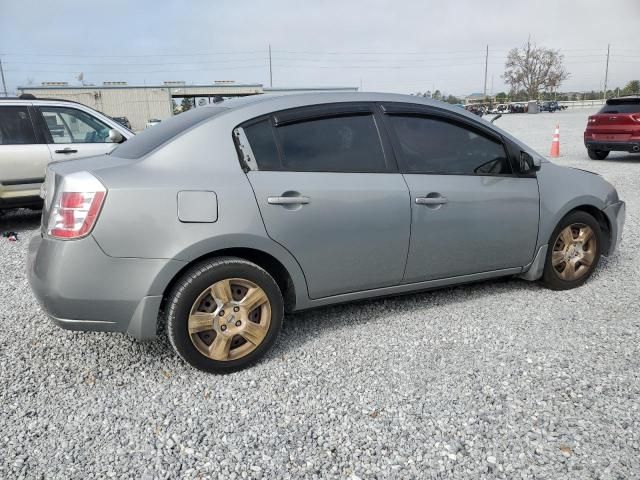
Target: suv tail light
<point>76,206</point>
<point>592,119</point>
<point>636,117</point>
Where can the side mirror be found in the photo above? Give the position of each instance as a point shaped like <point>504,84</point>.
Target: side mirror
<point>528,164</point>
<point>115,136</point>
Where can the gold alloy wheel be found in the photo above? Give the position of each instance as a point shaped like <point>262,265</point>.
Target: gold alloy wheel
<point>229,319</point>
<point>574,251</point>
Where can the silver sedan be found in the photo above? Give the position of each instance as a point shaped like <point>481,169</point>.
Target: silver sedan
<point>218,221</point>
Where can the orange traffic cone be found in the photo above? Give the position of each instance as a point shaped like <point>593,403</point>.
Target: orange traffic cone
<point>555,143</point>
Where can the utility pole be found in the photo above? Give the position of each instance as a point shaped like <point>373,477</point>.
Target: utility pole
<point>270,70</point>
<point>4,85</point>
<point>606,72</point>
<point>486,64</point>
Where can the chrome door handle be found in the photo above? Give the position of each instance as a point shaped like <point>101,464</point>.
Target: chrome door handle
<point>67,150</point>
<point>301,200</point>
<point>431,200</point>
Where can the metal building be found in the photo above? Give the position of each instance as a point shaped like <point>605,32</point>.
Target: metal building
<point>140,103</point>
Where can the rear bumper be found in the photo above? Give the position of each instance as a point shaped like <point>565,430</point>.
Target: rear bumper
<point>82,288</point>
<point>627,146</point>
<point>616,215</point>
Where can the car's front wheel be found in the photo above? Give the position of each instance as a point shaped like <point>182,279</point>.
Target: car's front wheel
<point>597,154</point>
<point>574,251</point>
<point>224,314</point>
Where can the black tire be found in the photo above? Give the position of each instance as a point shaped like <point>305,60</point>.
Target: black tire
<point>597,154</point>
<point>189,288</point>
<point>550,278</point>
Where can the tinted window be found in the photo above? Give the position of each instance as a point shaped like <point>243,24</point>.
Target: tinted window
<point>69,125</point>
<point>263,145</point>
<point>152,138</point>
<point>15,126</point>
<point>621,108</point>
<point>430,145</point>
<point>339,144</point>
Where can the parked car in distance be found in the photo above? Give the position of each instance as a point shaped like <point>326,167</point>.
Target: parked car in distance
<point>34,132</point>
<point>616,127</point>
<point>225,217</point>
<point>124,121</point>
<point>551,106</point>
<point>152,122</point>
<point>500,108</point>
<point>518,107</point>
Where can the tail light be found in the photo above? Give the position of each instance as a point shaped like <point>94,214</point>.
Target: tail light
<point>76,206</point>
<point>636,117</point>
<point>592,119</point>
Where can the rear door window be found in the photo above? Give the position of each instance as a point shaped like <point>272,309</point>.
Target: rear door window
<point>15,126</point>
<point>341,143</point>
<point>263,144</point>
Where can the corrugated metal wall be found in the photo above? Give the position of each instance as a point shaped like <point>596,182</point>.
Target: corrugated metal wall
<point>139,105</point>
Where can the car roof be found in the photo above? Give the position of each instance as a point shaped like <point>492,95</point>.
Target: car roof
<point>281,101</point>
<point>30,99</point>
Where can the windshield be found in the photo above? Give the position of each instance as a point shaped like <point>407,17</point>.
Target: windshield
<point>152,138</point>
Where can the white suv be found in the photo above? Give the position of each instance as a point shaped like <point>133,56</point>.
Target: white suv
<point>34,132</point>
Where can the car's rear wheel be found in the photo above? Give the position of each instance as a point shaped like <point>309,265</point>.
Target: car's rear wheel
<point>597,154</point>
<point>224,314</point>
<point>574,251</point>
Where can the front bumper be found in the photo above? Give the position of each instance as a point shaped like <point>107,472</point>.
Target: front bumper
<point>82,288</point>
<point>616,215</point>
<point>612,146</point>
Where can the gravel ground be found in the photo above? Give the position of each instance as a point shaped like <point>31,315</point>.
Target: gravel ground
<point>502,379</point>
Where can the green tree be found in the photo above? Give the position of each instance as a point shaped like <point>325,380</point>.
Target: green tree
<point>452,99</point>
<point>501,97</point>
<point>437,95</point>
<point>187,104</point>
<point>632,88</point>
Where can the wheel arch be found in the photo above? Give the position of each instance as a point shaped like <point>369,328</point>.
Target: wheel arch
<point>268,262</point>
<point>551,217</point>
<point>263,252</point>
<point>601,218</point>
<point>536,269</point>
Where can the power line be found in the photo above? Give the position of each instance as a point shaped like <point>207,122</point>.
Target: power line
<point>184,54</point>
<point>142,71</point>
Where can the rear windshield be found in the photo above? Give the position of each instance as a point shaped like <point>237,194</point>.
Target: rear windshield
<point>152,137</point>
<point>627,107</point>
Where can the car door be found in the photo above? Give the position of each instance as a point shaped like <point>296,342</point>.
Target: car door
<point>329,192</point>
<point>74,133</point>
<point>471,213</point>
<point>23,152</point>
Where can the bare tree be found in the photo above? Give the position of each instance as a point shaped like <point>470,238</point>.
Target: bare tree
<point>534,69</point>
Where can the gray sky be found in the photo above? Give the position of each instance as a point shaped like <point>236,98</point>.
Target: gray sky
<point>398,46</point>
